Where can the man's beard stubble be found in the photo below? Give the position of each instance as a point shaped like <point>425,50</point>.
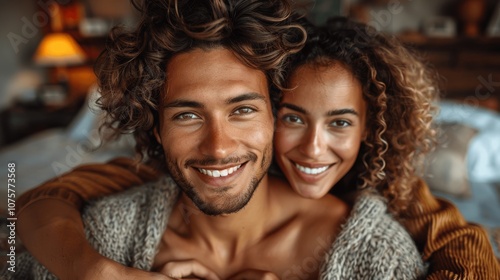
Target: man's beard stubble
<point>225,204</point>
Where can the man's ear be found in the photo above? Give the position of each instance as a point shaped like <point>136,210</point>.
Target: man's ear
<point>156,134</point>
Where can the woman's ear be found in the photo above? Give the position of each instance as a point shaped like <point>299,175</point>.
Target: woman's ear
<point>364,135</point>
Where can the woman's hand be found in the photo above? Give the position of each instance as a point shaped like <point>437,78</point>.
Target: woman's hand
<point>111,270</point>
<point>188,269</point>
<point>192,269</point>
<point>254,274</point>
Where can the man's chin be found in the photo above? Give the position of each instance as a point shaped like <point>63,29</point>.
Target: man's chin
<point>224,204</point>
<point>216,211</point>
<point>224,208</point>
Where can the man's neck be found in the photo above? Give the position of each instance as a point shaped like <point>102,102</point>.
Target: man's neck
<point>230,232</point>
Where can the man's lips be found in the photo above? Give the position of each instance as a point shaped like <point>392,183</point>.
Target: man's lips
<point>216,173</point>
<point>220,176</point>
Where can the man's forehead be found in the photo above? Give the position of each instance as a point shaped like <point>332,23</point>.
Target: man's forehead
<point>208,72</point>
<point>216,59</point>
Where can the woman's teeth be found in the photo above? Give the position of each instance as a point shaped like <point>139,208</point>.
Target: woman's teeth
<point>309,170</point>
<point>219,173</point>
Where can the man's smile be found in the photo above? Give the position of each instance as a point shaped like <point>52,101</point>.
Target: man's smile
<point>220,176</point>
<point>219,172</point>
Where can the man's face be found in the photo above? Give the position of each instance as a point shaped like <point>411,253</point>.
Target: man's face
<point>216,128</point>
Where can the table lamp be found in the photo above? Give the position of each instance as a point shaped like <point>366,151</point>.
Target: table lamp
<point>58,50</point>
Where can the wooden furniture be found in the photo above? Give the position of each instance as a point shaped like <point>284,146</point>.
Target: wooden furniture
<point>64,19</point>
<point>469,68</point>
<point>22,120</point>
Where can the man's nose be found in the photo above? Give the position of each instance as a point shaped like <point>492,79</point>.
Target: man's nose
<point>314,143</point>
<point>219,140</point>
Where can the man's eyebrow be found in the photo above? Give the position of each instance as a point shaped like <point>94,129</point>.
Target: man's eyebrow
<point>246,97</point>
<point>183,103</point>
<point>194,104</point>
<point>342,112</point>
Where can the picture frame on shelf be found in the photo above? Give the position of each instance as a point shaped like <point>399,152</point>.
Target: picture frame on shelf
<point>53,94</point>
<point>440,26</point>
<point>493,29</point>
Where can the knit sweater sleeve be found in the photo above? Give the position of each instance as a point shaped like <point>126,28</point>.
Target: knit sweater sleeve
<point>90,181</point>
<point>372,245</point>
<point>27,267</point>
<point>125,227</point>
<point>453,248</point>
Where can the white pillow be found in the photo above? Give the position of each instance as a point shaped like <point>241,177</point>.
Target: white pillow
<point>483,155</point>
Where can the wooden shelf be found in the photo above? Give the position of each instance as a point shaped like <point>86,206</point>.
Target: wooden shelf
<point>22,120</point>
<point>468,68</point>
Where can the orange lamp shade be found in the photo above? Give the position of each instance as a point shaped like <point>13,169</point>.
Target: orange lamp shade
<point>59,49</point>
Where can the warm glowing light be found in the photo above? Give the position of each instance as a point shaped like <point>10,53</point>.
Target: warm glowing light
<point>59,49</point>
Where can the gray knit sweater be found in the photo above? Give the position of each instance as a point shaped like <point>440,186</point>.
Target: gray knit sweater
<point>127,227</point>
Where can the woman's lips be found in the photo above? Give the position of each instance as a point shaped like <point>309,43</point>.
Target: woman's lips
<point>309,170</point>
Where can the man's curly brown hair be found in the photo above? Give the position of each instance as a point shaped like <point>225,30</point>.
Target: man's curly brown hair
<point>399,91</point>
<point>131,70</point>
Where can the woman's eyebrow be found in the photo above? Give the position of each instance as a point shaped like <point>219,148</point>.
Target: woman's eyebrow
<point>330,113</point>
<point>293,107</point>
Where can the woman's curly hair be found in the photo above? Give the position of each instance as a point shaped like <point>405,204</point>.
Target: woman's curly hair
<point>399,91</point>
<point>131,70</point>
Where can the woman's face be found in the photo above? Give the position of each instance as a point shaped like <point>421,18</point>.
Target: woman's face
<point>321,124</point>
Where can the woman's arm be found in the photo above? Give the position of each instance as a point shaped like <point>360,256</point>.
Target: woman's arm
<point>454,248</point>
<point>436,226</point>
<point>90,181</point>
<point>50,225</point>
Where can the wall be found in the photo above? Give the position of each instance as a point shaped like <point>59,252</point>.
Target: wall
<point>392,16</point>
<point>16,57</point>
<point>410,14</point>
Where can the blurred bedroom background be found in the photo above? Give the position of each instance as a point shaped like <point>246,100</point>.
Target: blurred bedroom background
<point>48,123</point>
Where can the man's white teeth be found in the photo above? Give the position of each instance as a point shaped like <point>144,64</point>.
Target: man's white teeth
<point>219,173</point>
<point>309,170</point>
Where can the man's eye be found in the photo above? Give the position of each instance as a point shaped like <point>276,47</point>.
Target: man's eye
<point>292,119</point>
<point>243,111</point>
<point>340,123</point>
<point>186,116</point>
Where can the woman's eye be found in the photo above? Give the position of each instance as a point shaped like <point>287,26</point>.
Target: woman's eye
<point>292,119</point>
<point>244,111</point>
<point>186,116</point>
<point>340,123</point>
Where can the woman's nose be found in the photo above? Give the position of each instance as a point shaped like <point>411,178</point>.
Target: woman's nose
<point>314,142</point>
